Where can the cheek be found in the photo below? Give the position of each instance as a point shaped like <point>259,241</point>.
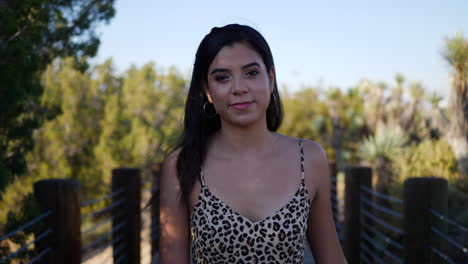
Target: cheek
<point>263,88</point>
<point>217,91</point>
<point>263,82</point>
<point>219,97</point>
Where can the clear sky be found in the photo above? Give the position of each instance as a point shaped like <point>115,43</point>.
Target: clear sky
<point>313,42</point>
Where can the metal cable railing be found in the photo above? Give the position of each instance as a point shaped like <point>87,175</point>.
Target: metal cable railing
<point>120,247</point>
<point>364,258</point>
<point>120,259</point>
<point>457,247</point>
<point>383,237</point>
<point>381,208</point>
<point>37,239</point>
<point>96,241</point>
<point>103,247</point>
<point>379,246</point>
<point>375,258</point>
<point>102,237</point>
<point>442,255</point>
<point>450,240</point>
<point>368,190</point>
<point>105,238</point>
<point>105,209</point>
<point>104,225</point>
<point>448,221</point>
<point>40,255</point>
<point>382,223</point>
<point>24,228</point>
<point>106,197</point>
<point>94,227</point>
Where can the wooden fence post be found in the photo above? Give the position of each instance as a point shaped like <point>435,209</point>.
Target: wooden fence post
<point>129,212</point>
<point>419,196</point>
<point>61,197</point>
<point>156,176</point>
<point>354,178</point>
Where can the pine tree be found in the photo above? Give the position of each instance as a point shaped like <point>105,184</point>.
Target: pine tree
<point>32,34</point>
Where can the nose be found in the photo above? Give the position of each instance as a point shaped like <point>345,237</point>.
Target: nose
<point>239,86</point>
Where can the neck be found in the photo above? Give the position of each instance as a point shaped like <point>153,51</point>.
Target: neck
<point>248,141</point>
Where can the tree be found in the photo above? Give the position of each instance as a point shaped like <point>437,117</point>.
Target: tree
<point>32,34</point>
<point>142,119</point>
<point>348,123</point>
<point>456,54</point>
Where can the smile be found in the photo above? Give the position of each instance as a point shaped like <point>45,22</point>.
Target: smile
<point>241,105</point>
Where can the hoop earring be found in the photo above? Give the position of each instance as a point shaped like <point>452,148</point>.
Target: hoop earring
<point>208,114</point>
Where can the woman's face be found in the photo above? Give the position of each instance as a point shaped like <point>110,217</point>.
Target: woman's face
<point>239,85</point>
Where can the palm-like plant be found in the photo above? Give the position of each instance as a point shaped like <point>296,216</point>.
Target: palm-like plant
<point>378,149</point>
<point>384,143</point>
<point>456,54</point>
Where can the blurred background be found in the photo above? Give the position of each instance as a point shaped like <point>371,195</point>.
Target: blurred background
<point>88,86</point>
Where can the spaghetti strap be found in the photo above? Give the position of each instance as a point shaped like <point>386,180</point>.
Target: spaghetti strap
<point>301,148</point>
<point>202,179</point>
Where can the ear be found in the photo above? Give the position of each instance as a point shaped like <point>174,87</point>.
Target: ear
<point>271,77</point>
<point>207,92</point>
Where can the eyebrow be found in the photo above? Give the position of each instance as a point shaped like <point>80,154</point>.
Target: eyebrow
<point>243,67</point>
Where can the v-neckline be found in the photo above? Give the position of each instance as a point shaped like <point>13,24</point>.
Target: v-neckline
<point>301,185</point>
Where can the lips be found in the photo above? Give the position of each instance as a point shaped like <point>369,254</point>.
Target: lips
<point>241,105</point>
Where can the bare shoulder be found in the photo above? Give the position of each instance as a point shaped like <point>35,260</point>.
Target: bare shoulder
<point>173,156</point>
<point>316,168</point>
<point>169,170</point>
<point>313,152</point>
<point>170,163</point>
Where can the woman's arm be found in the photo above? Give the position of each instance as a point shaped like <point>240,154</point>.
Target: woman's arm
<point>173,217</point>
<point>321,231</point>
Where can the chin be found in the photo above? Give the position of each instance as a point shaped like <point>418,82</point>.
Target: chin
<point>245,121</point>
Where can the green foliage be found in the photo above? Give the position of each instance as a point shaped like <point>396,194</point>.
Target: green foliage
<point>346,113</point>
<point>33,34</point>
<point>383,144</point>
<point>300,119</point>
<point>455,52</point>
<point>29,209</point>
<point>106,121</point>
<point>309,112</point>
<point>13,196</point>
<point>141,121</point>
<point>429,158</point>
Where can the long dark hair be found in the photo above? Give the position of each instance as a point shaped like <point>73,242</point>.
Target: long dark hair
<point>198,126</point>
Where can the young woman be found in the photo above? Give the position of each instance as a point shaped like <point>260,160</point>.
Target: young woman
<point>241,192</point>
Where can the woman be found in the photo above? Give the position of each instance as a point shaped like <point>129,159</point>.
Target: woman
<point>241,192</point>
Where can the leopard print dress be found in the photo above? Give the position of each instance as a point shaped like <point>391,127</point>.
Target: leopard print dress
<point>221,235</point>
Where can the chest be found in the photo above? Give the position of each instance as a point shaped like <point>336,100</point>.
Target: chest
<point>253,190</point>
<point>218,230</point>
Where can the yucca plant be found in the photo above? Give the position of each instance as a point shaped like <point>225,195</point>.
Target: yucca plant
<point>456,54</point>
<point>377,150</point>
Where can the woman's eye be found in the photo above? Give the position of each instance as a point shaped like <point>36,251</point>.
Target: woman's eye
<point>221,78</point>
<point>252,73</point>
